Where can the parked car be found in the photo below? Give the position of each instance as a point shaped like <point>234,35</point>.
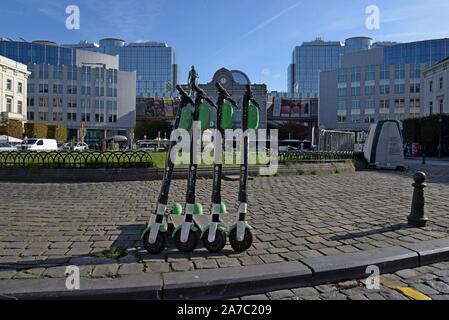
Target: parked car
<point>81,147</point>
<point>6,147</point>
<point>38,145</point>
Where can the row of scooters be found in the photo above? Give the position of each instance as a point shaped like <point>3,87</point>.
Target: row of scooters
<point>188,225</point>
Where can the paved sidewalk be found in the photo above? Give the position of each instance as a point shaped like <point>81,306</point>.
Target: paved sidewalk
<point>424,283</point>
<point>44,227</point>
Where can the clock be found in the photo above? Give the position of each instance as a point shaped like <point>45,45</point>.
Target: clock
<point>223,80</point>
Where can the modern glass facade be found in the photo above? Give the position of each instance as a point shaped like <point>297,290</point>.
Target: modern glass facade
<point>154,63</point>
<point>378,84</point>
<point>311,58</point>
<point>68,86</point>
<point>38,52</point>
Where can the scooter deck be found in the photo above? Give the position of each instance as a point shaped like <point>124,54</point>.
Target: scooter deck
<point>176,220</point>
<point>202,221</point>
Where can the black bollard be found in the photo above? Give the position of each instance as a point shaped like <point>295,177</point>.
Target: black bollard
<point>418,218</point>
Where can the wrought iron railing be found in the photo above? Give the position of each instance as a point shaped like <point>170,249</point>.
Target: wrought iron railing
<point>313,156</point>
<point>73,159</point>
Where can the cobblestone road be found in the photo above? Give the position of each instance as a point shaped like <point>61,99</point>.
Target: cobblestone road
<point>44,227</point>
<point>429,282</point>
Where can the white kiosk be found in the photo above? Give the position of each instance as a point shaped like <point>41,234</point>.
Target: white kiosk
<point>384,147</point>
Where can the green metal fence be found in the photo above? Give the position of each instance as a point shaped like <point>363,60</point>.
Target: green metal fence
<point>311,156</point>
<point>68,160</point>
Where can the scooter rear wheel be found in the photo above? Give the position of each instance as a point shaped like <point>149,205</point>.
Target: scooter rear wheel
<point>188,246</point>
<point>243,245</point>
<point>158,246</point>
<point>218,244</point>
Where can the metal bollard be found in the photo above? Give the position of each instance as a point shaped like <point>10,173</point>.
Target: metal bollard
<point>423,158</point>
<point>418,218</point>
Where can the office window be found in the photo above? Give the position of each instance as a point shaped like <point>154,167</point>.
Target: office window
<point>356,74</point>
<point>415,103</point>
<point>431,107</point>
<point>43,116</point>
<point>400,71</point>
<point>370,73</point>
<point>441,83</point>
<point>30,102</point>
<point>441,106</point>
<point>385,72</point>
<point>85,90</point>
<point>415,71</point>
<point>72,74</point>
<point>71,116</point>
<point>20,87</point>
<point>384,104</point>
<point>43,88</point>
<point>399,88</point>
<point>399,103</point>
<point>342,75</point>
<point>355,104</point>
<point>430,86</point>
<point>342,92</point>
<point>341,105</point>
<point>71,90</point>
<point>57,116</point>
<point>19,107</point>
<point>341,119</point>
<point>85,117</point>
<point>370,119</point>
<point>355,91</point>
<point>356,118</point>
<point>43,72</point>
<point>43,102</point>
<point>58,89</point>
<point>415,88</point>
<point>9,104</point>
<point>30,115</point>
<point>30,88</point>
<point>384,89</point>
<point>71,103</point>
<point>57,73</point>
<point>370,90</point>
<point>370,104</point>
<point>9,84</point>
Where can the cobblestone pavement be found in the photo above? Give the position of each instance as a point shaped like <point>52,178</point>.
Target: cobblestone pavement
<point>44,227</point>
<point>428,282</point>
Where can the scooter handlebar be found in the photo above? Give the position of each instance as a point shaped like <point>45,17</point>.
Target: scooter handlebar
<point>251,99</point>
<point>203,95</point>
<point>184,94</point>
<point>226,94</point>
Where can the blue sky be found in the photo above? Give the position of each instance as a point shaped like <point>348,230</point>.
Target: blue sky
<point>256,36</point>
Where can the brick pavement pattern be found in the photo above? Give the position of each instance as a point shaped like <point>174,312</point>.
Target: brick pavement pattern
<point>44,227</point>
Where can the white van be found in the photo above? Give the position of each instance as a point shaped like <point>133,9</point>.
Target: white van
<point>38,145</point>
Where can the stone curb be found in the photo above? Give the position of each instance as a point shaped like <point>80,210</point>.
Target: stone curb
<point>236,281</point>
<point>89,175</point>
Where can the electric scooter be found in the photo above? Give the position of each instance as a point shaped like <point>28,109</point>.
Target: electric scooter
<point>240,235</point>
<point>155,235</point>
<point>186,235</point>
<point>213,231</point>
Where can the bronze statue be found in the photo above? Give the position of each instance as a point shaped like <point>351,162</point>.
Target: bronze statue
<point>192,80</point>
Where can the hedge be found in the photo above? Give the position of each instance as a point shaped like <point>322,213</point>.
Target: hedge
<point>13,128</point>
<point>41,130</point>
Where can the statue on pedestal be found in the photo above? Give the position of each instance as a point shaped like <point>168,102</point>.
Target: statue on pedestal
<point>192,80</point>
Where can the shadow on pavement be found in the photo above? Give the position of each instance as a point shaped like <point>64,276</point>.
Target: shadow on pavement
<point>355,235</point>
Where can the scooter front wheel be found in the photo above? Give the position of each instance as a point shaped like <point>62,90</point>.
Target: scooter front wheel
<point>158,246</point>
<point>241,246</point>
<point>218,244</point>
<point>189,245</point>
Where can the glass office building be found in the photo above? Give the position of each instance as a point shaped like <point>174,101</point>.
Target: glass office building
<point>154,63</point>
<point>383,83</point>
<point>311,58</point>
<point>68,86</point>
